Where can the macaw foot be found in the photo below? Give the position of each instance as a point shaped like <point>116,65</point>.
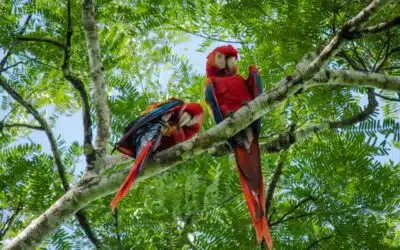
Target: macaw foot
<point>246,103</point>
<point>230,114</point>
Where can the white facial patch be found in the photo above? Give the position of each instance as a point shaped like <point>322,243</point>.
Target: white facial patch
<point>219,60</point>
<point>231,63</point>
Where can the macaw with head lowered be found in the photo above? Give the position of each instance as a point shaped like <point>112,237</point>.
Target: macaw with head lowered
<point>225,92</point>
<point>160,126</point>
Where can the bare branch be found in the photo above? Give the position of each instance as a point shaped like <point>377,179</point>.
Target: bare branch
<point>274,181</point>
<point>41,39</point>
<point>204,36</point>
<point>80,87</point>
<point>283,218</point>
<point>14,125</point>
<point>87,122</point>
<point>381,26</point>
<point>44,125</point>
<point>8,52</point>
<point>315,243</point>
<point>11,66</point>
<point>99,94</point>
<point>355,78</point>
<point>362,116</point>
<point>388,98</point>
<point>9,221</point>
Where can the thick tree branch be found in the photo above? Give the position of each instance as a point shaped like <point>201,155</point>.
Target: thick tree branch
<point>93,186</point>
<point>99,94</point>
<point>355,78</point>
<point>41,39</point>
<point>381,26</point>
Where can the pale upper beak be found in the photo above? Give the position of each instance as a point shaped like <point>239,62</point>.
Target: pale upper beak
<point>187,120</point>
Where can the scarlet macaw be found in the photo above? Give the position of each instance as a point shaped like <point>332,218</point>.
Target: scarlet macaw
<point>159,127</point>
<point>225,92</point>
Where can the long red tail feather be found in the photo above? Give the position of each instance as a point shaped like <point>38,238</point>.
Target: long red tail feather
<point>256,205</point>
<point>124,188</point>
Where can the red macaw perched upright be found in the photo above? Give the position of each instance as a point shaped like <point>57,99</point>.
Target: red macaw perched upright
<point>226,92</point>
<point>159,127</point>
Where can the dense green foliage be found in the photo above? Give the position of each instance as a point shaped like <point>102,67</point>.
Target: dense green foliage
<point>343,183</point>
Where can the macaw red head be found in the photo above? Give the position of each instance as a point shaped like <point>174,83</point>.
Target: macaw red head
<point>222,61</point>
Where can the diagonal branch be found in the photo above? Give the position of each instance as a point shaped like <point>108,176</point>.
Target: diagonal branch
<point>92,187</point>
<point>43,123</point>
<point>9,221</point>
<point>16,125</point>
<point>381,26</point>
<point>294,208</point>
<point>11,66</point>
<point>41,39</point>
<point>8,52</point>
<point>56,154</point>
<point>315,243</point>
<point>99,94</point>
<point>388,98</point>
<point>291,218</point>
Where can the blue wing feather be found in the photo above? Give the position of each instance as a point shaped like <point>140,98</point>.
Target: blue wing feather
<point>213,102</point>
<point>256,88</point>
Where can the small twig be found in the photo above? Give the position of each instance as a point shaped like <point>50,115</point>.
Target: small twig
<point>8,222</point>
<point>362,116</point>
<point>291,218</point>
<point>315,243</point>
<point>386,56</point>
<point>388,98</point>
<point>11,66</point>
<point>115,215</point>
<point>13,125</point>
<point>206,37</point>
<point>360,60</point>
<point>386,45</point>
<point>391,68</point>
<point>283,218</point>
<point>8,52</point>
<point>350,61</point>
<point>41,39</point>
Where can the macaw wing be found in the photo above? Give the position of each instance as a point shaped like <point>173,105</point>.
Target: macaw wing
<point>254,83</point>
<point>124,144</point>
<point>212,101</point>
